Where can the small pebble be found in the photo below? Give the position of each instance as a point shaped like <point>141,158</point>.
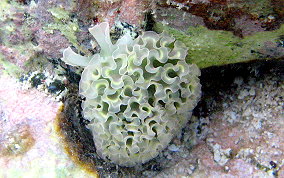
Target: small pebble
<point>239,81</point>
<point>233,115</point>
<point>227,168</point>
<point>247,112</point>
<point>243,94</point>
<point>173,148</point>
<point>252,92</point>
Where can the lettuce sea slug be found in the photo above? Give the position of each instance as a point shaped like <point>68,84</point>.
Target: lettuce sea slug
<point>138,93</point>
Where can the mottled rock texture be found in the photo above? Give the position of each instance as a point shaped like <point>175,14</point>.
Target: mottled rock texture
<point>241,136</point>
<point>31,29</point>
<point>40,30</point>
<point>224,32</point>
<point>239,16</point>
<point>238,126</point>
<point>29,144</point>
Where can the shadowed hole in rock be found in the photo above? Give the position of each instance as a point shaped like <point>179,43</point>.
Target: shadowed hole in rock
<point>134,106</point>
<point>151,101</point>
<point>129,142</point>
<point>157,63</point>
<point>173,61</point>
<point>123,108</point>
<point>152,122</point>
<point>154,129</point>
<point>134,115</point>
<point>151,90</point>
<point>183,85</point>
<point>145,109</point>
<point>177,105</point>
<point>128,92</point>
<point>105,107</point>
<point>171,73</point>
<point>130,133</point>
<point>162,103</point>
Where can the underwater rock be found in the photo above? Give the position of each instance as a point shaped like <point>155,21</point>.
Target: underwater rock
<point>218,30</point>
<point>247,143</point>
<point>29,144</point>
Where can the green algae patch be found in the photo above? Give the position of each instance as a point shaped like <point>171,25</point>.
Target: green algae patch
<point>68,30</point>
<point>59,13</point>
<point>7,15</point>
<point>9,68</point>
<point>255,7</point>
<point>216,47</point>
<point>62,22</point>
<point>5,10</point>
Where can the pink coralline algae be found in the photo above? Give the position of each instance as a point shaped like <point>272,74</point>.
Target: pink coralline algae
<point>51,43</point>
<point>129,11</point>
<point>25,105</point>
<point>26,117</point>
<point>13,55</point>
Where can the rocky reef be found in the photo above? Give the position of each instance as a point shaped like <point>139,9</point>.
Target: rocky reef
<point>235,130</point>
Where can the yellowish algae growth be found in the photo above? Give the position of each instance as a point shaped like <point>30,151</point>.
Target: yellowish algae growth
<point>59,13</point>
<point>19,52</point>
<point>62,124</point>
<point>45,157</point>
<point>216,47</point>
<point>64,24</point>
<point>9,68</point>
